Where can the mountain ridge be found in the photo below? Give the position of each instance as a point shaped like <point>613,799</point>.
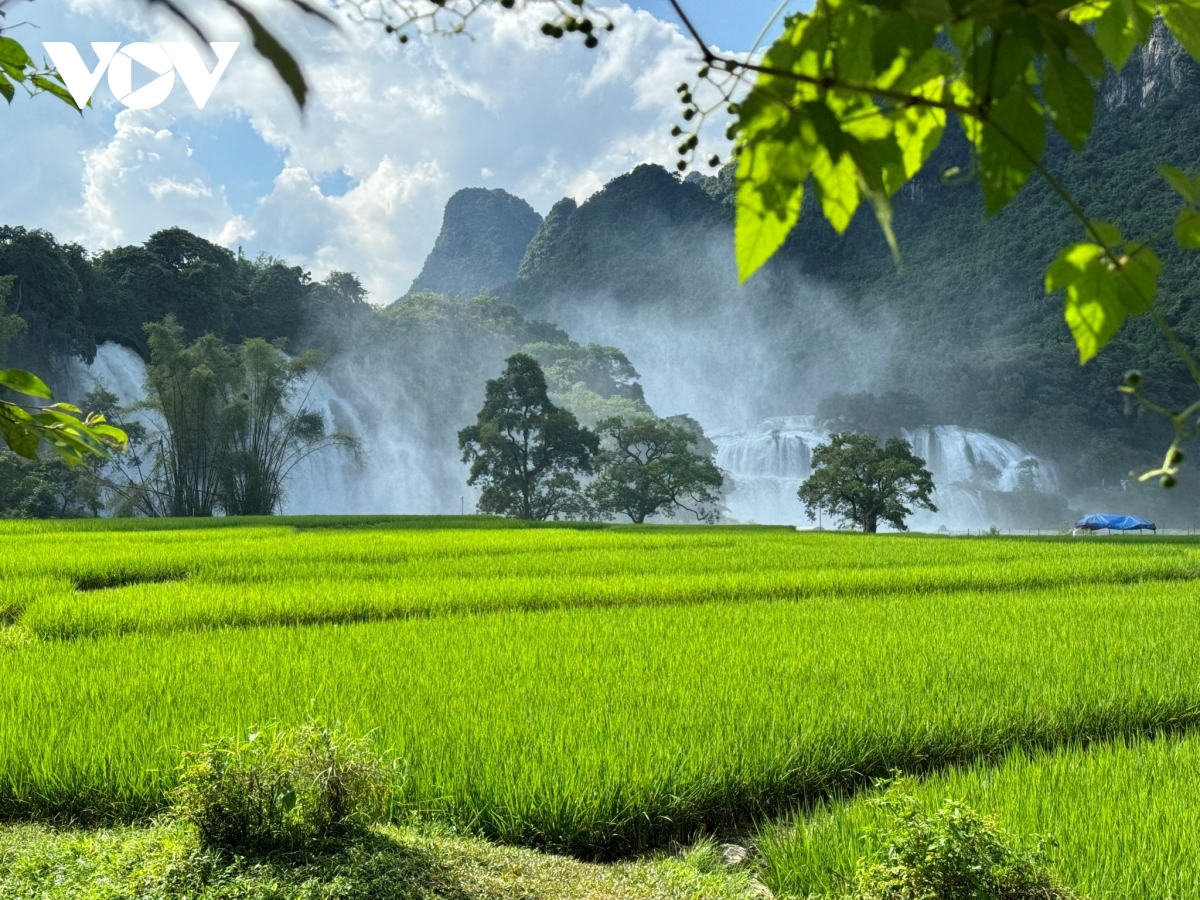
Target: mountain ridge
<point>482,241</point>
<point>973,333</point>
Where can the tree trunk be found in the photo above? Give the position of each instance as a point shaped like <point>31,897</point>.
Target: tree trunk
<point>871,525</point>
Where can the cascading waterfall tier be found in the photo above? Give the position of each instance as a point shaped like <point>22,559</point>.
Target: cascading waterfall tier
<point>769,462</point>
<point>329,481</point>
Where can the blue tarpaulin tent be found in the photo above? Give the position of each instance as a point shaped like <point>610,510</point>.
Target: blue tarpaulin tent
<point>1114,523</point>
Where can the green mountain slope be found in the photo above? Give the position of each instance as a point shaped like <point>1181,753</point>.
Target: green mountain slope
<point>484,235</point>
<point>970,327</point>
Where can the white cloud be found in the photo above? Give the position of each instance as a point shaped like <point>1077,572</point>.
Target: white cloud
<point>193,189</point>
<point>144,179</point>
<point>365,230</point>
<point>408,126</point>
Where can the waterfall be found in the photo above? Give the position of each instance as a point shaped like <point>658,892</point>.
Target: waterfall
<point>116,368</point>
<point>407,468</point>
<point>768,463</point>
<point>397,471</point>
<point>957,456</point>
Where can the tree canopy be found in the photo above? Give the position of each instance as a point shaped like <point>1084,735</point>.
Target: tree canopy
<point>25,425</point>
<point>857,480</point>
<point>649,466</point>
<point>524,451</point>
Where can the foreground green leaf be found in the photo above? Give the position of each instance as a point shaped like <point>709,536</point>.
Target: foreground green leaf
<point>1187,228</point>
<point>770,191</point>
<point>1122,27</point>
<point>1009,145</point>
<point>1183,18</point>
<point>1070,98</point>
<point>1101,294</point>
<point>24,383</point>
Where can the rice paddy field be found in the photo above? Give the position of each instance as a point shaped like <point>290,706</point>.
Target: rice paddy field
<point>604,691</point>
<point>1125,817</point>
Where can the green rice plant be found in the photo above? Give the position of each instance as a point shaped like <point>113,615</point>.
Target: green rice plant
<point>605,730</point>
<point>208,578</point>
<point>1123,815</point>
<point>594,690</point>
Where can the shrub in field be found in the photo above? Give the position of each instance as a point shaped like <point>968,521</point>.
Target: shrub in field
<point>282,790</point>
<point>949,853</point>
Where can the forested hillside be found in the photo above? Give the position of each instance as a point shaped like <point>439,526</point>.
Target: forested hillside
<point>71,300</point>
<point>965,322</point>
<point>401,378</point>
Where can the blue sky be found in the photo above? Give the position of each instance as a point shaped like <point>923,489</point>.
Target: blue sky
<point>359,182</point>
<point>731,24</point>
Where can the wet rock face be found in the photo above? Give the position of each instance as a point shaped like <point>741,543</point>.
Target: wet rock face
<point>483,239</point>
<point>1153,70</point>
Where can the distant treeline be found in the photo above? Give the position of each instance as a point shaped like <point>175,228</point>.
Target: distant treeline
<point>71,300</point>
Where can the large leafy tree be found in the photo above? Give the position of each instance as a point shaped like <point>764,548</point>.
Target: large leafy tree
<point>648,466</point>
<point>526,452</point>
<point>857,480</point>
<point>46,292</point>
<point>276,301</point>
<point>174,273</point>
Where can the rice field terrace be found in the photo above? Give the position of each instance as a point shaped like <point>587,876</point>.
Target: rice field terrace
<point>1124,817</point>
<point>602,691</point>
